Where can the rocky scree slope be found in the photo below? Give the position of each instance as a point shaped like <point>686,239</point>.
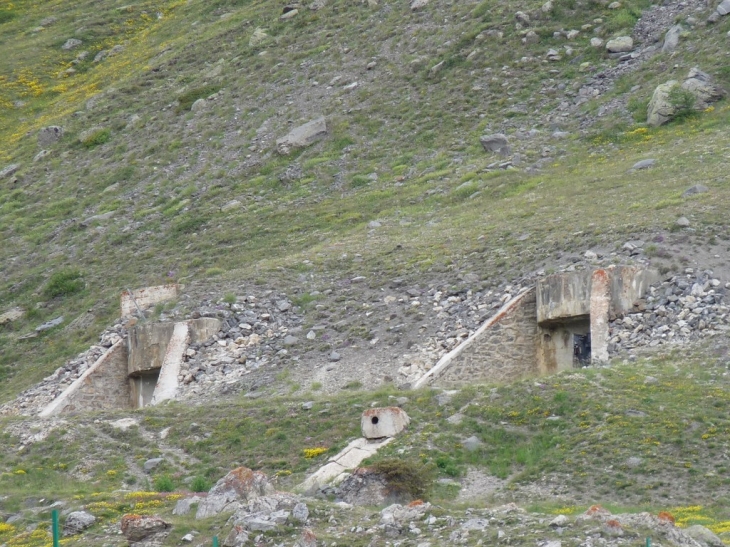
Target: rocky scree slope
<point>110,172</point>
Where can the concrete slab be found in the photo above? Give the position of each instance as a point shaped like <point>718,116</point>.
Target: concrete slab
<point>349,458</point>
<point>167,383</point>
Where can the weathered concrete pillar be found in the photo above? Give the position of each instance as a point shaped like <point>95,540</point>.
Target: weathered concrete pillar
<point>600,305</point>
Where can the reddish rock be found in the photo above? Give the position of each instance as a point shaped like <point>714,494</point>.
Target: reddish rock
<point>139,527</point>
<point>238,486</point>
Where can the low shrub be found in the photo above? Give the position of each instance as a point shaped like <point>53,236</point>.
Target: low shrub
<point>406,477</point>
<point>64,283</point>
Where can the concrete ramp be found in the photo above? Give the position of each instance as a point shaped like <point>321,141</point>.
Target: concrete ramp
<point>349,458</point>
<point>167,382</point>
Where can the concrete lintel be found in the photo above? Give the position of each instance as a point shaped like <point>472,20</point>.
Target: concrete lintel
<point>59,403</point>
<point>446,360</point>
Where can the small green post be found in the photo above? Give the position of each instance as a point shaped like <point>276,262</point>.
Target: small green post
<point>215,541</point>
<point>54,527</point>
<point>648,542</point>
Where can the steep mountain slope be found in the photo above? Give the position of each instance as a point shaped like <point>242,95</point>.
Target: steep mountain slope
<point>140,189</point>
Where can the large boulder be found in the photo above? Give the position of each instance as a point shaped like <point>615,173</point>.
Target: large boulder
<point>621,44</point>
<point>77,522</point>
<point>705,91</point>
<point>671,39</point>
<point>661,109</point>
<point>699,84</point>
<point>302,136</point>
<point>9,170</point>
<point>229,493</point>
<point>138,528</point>
<point>495,143</point>
<point>704,536</point>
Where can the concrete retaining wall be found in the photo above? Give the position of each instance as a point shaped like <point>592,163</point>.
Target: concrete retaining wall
<point>103,386</point>
<point>148,342</point>
<point>144,298</point>
<point>504,349</point>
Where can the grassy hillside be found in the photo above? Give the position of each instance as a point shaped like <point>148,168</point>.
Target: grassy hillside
<point>621,436</point>
<point>135,192</point>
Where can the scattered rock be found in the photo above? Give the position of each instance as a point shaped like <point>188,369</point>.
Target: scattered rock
<point>137,528</point>
<point>696,189</point>
<point>183,506</point>
<point>671,39</point>
<point>302,136</point>
<point>237,487</point>
<point>11,315</point>
<point>495,143</point>
<point>418,4</point>
<point>334,357</point>
<point>724,7</point>
<point>703,536</point>
<point>596,42</point>
<point>77,522</point>
<point>49,324</point>
<point>258,37</point>
<point>289,14</point>
<point>9,170</point>
<point>71,43</point>
<point>682,222</point>
<point>300,512</point>
<point>472,444</point>
<point>198,105</point>
<point>643,164</point>
<point>622,44</point>
<point>152,463</point>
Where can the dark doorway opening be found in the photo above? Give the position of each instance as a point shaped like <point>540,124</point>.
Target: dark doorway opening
<point>581,350</point>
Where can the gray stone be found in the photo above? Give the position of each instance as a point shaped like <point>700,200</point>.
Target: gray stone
<point>622,44</point>
<point>183,506</point>
<point>560,521</point>
<point>11,315</point>
<point>701,85</point>
<point>308,405</point>
<point>289,15</point>
<point>238,486</point>
<point>495,143</point>
<point>49,324</point>
<point>671,39</point>
<point>634,461</point>
<point>40,155</point>
<point>696,189</point>
<point>300,512</point>
<point>198,105</point>
<point>683,222</point>
<point>302,136</point>
<point>290,340</point>
<point>258,37</point>
<point>77,522</point>
<point>643,164</point>
<point>150,464</point>
<point>238,537</point>
<point>9,170</point>
<point>724,7</point>
<point>283,305</point>
<point>472,444</point>
<point>137,528</point>
<point>478,524</point>
<point>49,135</point>
<point>703,536</point>
<point>71,43</point>
<point>334,356</point>
<point>660,109</point>
<point>418,4</point>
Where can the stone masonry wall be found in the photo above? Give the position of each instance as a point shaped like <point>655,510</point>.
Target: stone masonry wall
<point>504,352</point>
<point>106,387</point>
